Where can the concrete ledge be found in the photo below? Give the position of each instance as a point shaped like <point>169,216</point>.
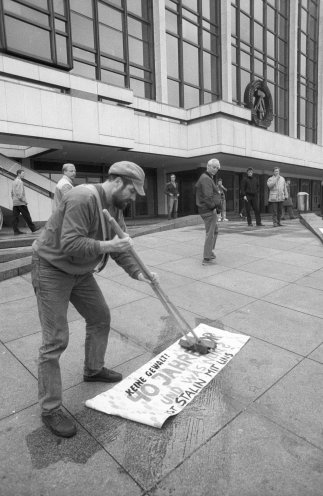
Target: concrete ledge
<point>15,268</point>
<point>313,222</point>
<point>15,253</point>
<point>165,225</point>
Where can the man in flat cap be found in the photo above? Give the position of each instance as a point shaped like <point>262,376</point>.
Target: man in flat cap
<point>64,258</point>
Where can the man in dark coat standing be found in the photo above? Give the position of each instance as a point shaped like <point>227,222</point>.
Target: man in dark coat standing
<point>250,195</point>
<point>171,191</point>
<point>208,201</point>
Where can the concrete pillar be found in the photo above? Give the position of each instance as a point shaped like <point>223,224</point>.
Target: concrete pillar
<point>320,80</point>
<point>292,89</point>
<point>161,197</point>
<point>226,51</point>
<point>160,53</point>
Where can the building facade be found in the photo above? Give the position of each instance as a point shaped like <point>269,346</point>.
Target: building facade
<point>168,84</point>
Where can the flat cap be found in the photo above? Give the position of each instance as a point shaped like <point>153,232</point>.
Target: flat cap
<point>131,171</point>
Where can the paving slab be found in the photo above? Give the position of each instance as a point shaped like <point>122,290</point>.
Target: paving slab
<point>120,349</point>
<point>296,402</point>
<point>313,280</point>
<point>245,283</point>
<point>15,289</point>
<point>276,270</point>
<point>192,267</point>
<point>299,260</point>
<point>117,294</point>
<point>299,298</point>
<point>167,280</point>
<point>148,324</point>
<point>147,453</point>
<point>232,260</point>
<point>289,329</point>
<point>256,367</point>
<point>212,302</point>
<point>21,318</point>
<point>18,386</point>
<point>251,456</point>
<point>314,248</point>
<point>37,463</point>
<point>317,354</point>
<point>153,256</point>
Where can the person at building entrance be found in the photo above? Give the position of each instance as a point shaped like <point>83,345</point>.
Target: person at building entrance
<point>250,195</point>
<point>20,204</point>
<point>288,204</point>
<point>277,194</point>
<point>171,190</point>
<point>208,201</point>
<point>64,258</point>
<point>223,190</point>
<point>65,183</point>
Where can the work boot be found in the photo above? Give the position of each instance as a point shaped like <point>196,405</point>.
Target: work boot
<point>105,375</point>
<point>59,423</point>
<point>34,229</point>
<point>16,233</point>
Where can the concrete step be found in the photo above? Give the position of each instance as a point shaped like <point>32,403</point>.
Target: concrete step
<point>15,268</point>
<point>8,254</point>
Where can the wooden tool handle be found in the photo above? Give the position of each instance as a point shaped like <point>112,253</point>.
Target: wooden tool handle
<point>170,307</point>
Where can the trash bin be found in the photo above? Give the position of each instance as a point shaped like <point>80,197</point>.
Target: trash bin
<point>303,201</point>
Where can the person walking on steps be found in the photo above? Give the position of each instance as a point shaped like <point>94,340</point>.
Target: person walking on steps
<point>277,194</point>
<point>64,258</point>
<point>171,190</point>
<point>208,201</point>
<point>223,190</point>
<point>288,204</point>
<point>65,183</point>
<point>20,204</point>
<point>250,195</point>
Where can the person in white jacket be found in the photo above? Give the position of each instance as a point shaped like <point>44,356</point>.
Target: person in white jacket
<point>65,183</point>
<point>277,194</point>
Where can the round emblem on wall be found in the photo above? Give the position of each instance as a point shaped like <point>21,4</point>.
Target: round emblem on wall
<point>257,97</point>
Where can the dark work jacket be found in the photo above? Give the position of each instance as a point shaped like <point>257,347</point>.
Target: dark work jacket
<point>249,186</point>
<point>171,189</point>
<point>208,194</point>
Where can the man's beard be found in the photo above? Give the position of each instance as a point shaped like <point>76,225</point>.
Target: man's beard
<point>118,201</point>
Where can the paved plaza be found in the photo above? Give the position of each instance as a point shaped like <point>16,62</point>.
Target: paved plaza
<point>255,430</point>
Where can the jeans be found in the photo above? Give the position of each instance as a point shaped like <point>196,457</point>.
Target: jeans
<point>277,208</point>
<point>172,206</point>
<point>224,208</point>
<point>252,202</point>
<point>54,290</point>
<point>23,210</point>
<point>288,210</point>
<point>211,232</point>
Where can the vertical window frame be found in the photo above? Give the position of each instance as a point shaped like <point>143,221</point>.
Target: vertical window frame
<point>183,13</point>
<point>52,15</point>
<point>268,61</point>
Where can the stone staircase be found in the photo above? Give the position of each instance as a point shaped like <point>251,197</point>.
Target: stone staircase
<point>15,254</point>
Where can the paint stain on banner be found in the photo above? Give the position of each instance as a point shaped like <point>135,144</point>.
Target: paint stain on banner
<point>170,381</point>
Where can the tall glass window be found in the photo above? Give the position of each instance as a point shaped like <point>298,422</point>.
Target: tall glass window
<point>307,74</point>
<point>113,42</point>
<point>36,29</point>
<point>193,52</point>
<point>259,41</point>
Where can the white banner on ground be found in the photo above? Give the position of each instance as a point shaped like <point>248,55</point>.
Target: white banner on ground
<point>170,381</point>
